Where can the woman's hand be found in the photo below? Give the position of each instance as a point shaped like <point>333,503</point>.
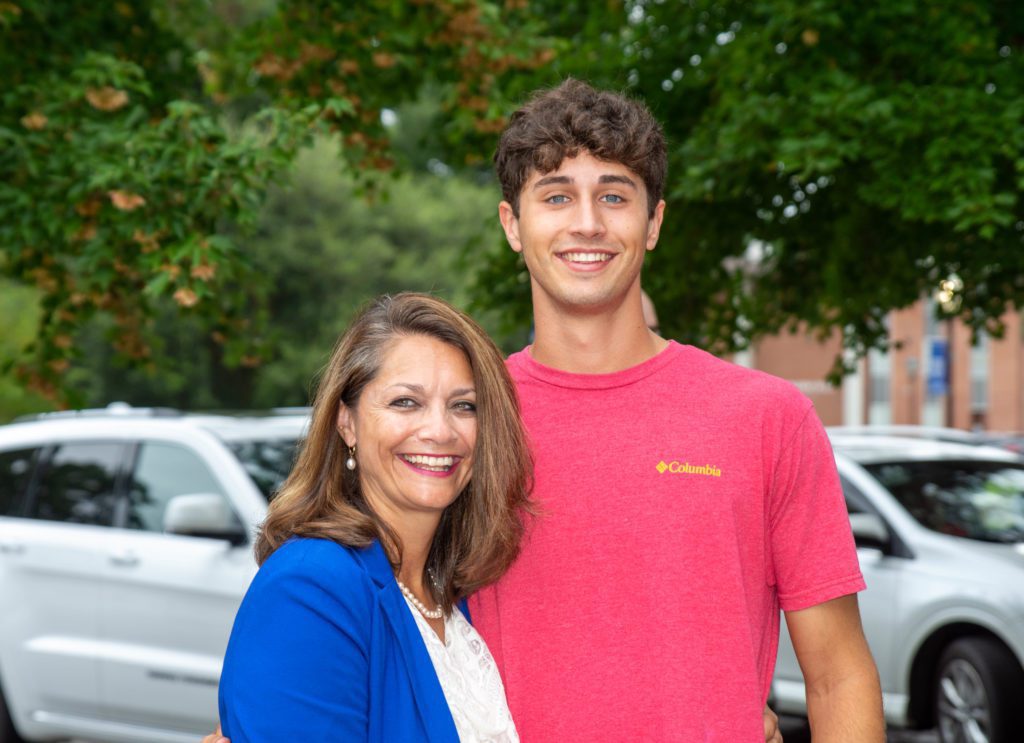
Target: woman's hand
<point>216,737</point>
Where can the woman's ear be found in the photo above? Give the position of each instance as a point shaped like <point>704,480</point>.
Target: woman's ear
<point>346,425</point>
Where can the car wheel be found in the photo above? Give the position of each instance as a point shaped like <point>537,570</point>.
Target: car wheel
<point>977,692</point>
<point>7,732</point>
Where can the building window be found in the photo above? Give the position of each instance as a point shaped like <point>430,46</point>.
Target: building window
<point>979,379</point>
<point>879,388</point>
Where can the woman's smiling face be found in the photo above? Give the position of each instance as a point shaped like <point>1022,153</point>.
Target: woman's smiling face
<point>414,428</point>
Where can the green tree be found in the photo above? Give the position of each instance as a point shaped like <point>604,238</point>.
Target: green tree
<point>829,161</point>
<point>866,150</point>
<point>322,249</point>
<point>116,183</point>
<point>136,139</point>
<point>19,308</point>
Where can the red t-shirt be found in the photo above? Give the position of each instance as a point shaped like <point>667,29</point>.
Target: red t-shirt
<point>683,502</point>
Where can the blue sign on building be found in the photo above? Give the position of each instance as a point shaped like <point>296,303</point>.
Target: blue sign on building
<point>938,367</point>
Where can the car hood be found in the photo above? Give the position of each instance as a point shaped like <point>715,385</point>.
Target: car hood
<point>1010,554</point>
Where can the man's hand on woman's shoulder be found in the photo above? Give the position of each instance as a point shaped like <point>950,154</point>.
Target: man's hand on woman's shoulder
<point>772,734</point>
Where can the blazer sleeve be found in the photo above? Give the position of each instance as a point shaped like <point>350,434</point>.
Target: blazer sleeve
<point>296,666</point>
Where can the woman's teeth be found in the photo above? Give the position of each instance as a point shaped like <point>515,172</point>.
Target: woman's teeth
<point>435,464</point>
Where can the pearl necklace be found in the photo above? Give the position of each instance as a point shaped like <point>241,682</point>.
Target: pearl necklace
<point>428,613</point>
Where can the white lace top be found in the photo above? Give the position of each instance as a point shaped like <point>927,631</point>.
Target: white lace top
<point>469,679</point>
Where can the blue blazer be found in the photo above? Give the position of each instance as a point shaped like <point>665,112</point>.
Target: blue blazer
<point>324,648</point>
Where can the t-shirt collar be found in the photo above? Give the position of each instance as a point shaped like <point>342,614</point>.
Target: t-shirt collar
<point>524,361</point>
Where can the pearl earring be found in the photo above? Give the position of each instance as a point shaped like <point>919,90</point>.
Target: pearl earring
<point>351,461</point>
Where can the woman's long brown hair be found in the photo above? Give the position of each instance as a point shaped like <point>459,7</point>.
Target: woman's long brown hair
<point>480,532</point>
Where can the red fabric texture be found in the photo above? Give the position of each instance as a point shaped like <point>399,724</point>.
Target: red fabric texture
<point>645,604</point>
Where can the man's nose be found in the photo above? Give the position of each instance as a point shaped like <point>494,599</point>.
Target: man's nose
<point>587,220</point>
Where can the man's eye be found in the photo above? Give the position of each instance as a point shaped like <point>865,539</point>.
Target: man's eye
<point>557,199</point>
<point>613,198</point>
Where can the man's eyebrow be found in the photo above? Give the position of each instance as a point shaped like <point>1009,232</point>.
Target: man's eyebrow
<point>550,179</point>
<point>617,179</point>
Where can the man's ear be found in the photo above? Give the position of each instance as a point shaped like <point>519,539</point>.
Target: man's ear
<point>346,425</point>
<point>654,225</point>
<point>510,223</point>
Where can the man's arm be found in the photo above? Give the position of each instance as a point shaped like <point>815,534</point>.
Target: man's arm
<point>844,697</point>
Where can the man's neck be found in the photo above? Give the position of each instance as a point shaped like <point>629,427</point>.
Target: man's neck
<point>593,343</point>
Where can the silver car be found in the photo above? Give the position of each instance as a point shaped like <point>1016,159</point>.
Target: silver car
<point>125,550</point>
<point>940,535</point>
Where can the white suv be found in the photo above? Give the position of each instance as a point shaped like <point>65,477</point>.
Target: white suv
<point>940,535</point>
<point>125,549</point>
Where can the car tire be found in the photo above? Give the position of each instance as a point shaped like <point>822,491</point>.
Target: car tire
<point>7,732</point>
<point>977,692</point>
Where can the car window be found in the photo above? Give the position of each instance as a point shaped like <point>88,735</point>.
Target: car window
<point>976,499</point>
<point>161,472</point>
<point>268,461</point>
<point>15,473</point>
<point>855,501</point>
<point>78,484</point>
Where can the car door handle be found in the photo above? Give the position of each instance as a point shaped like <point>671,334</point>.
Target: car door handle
<point>125,559</point>
<point>6,548</point>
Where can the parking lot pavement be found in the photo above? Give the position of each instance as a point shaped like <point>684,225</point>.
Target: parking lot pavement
<point>794,731</point>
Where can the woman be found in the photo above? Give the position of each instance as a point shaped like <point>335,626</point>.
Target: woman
<point>406,497</point>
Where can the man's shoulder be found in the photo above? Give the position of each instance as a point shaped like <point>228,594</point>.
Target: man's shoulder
<point>697,367</point>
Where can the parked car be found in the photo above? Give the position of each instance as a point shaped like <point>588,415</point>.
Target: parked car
<point>125,550</point>
<point>939,527</point>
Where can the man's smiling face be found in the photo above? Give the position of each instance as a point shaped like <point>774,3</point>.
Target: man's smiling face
<point>583,230</point>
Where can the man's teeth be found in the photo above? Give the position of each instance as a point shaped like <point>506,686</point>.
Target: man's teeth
<point>587,257</point>
<point>439,464</point>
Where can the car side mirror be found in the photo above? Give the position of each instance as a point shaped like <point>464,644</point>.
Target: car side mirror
<point>203,515</point>
<point>870,531</point>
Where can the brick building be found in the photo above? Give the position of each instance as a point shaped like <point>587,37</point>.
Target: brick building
<point>908,385</point>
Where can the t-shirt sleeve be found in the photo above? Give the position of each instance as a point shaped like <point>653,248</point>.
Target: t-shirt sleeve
<point>296,667</point>
<point>813,556</point>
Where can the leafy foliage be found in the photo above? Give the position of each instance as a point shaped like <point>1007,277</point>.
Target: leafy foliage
<point>358,59</point>
<point>115,195</point>
<point>829,162</point>
<point>322,250</point>
<point>18,308</point>
<point>866,150</point>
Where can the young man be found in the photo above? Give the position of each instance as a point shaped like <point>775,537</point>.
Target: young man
<point>683,499</point>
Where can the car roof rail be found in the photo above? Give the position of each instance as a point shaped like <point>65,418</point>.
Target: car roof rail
<point>113,410</point>
<point>908,431</point>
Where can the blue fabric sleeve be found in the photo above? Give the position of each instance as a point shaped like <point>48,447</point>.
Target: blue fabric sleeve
<point>296,666</point>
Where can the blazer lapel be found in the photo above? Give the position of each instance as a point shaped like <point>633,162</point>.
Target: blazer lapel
<point>427,692</point>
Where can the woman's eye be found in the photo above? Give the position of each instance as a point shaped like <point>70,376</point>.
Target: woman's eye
<point>403,402</point>
<point>465,406</point>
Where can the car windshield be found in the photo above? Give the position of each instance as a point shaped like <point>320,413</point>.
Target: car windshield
<point>975,499</point>
<point>268,461</point>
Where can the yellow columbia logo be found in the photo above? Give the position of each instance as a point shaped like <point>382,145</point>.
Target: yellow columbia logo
<point>685,468</point>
